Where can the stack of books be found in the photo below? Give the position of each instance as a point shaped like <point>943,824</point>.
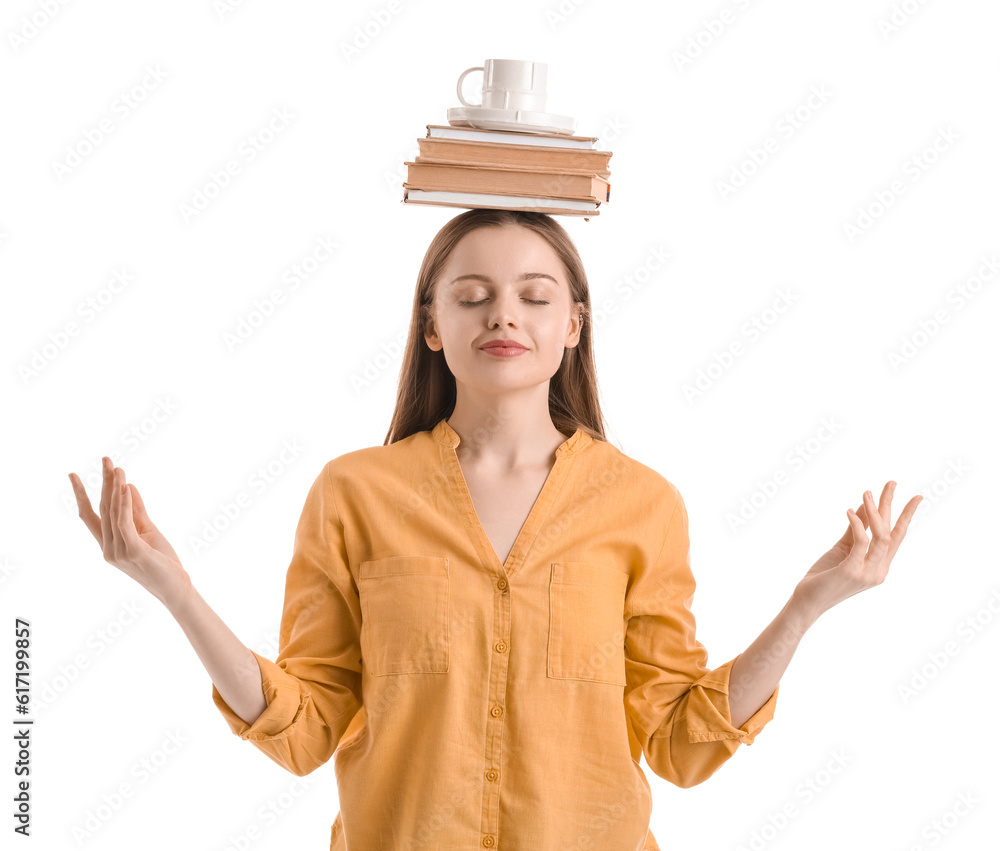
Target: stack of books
<point>509,170</point>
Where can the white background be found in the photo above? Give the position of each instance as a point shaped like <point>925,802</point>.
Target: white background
<point>150,380</point>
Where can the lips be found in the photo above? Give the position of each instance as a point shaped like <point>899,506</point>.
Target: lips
<point>504,344</point>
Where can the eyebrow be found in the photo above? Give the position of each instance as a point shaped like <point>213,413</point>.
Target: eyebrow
<point>527,276</point>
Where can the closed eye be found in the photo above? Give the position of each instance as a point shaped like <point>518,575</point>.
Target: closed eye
<point>474,303</point>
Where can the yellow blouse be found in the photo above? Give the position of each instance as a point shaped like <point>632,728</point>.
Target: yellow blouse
<point>473,704</point>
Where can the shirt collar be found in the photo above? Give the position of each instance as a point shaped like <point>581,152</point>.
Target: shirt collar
<point>445,434</point>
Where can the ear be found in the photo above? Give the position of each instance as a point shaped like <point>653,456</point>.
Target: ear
<point>575,325</point>
<point>431,336</point>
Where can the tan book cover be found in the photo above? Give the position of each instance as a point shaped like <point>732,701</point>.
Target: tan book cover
<point>490,153</point>
<point>509,180</point>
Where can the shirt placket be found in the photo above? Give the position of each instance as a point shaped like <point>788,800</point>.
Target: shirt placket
<point>495,720</point>
<point>501,576</point>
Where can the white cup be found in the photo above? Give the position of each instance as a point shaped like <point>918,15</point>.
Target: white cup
<point>510,84</point>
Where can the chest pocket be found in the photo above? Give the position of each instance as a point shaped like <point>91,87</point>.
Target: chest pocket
<point>587,622</point>
<point>404,614</point>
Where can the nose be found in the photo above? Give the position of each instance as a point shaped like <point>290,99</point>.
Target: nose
<point>504,311</point>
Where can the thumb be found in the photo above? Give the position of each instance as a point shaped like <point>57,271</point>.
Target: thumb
<point>848,535</point>
<point>860,545</point>
<point>139,508</point>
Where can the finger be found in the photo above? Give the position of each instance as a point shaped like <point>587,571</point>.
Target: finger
<point>87,513</point>
<point>874,517</point>
<point>138,506</point>
<point>860,538</point>
<point>880,555</point>
<point>880,533</point>
<point>107,538</point>
<point>848,536</point>
<point>902,524</point>
<point>885,503</point>
<point>126,526</point>
<point>117,480</point>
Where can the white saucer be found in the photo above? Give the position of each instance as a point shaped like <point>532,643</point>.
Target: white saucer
<point>511,119</point>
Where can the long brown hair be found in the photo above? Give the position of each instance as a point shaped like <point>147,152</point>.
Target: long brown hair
<point>426,391</point>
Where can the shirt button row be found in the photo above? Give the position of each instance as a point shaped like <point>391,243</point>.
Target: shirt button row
<point>496,711</point>
<point>501,583</point>
<point>500,647</point>
<point>491,774</point>
<point>488,841</point>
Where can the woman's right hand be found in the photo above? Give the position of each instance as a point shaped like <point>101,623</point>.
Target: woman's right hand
<point>128,538</point>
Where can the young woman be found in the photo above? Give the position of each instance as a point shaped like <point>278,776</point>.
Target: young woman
<point>487,619</point>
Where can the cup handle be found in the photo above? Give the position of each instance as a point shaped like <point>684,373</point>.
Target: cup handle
<point>461,79</point>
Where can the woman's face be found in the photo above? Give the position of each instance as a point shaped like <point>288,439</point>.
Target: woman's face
<point>519,292</point>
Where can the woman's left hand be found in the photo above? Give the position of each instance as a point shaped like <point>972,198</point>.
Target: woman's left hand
<point>851,565</point>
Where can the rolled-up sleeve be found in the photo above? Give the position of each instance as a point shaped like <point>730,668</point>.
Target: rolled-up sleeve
<point>678,708</point>
<point>313,687</point>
